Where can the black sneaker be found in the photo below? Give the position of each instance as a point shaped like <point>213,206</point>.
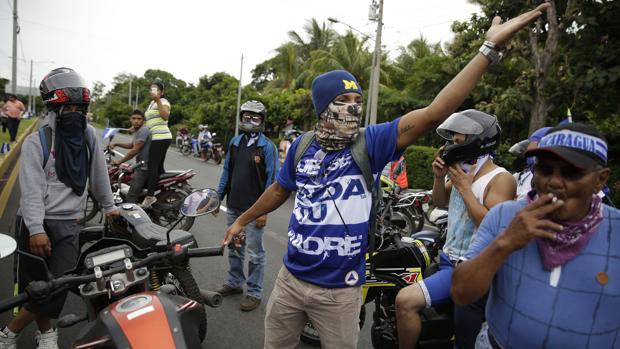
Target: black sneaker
<point>226,290</point>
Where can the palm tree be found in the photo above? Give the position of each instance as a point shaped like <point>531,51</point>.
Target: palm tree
<point>286,67</point>
<point>320,37</point>
<point>349,53</point>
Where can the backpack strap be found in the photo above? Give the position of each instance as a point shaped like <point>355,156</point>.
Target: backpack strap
<point>359,152</point>
<point>304,144</point>
<point>45,137</point>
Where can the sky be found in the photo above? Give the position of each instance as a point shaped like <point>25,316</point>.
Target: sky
<point>190,39</point>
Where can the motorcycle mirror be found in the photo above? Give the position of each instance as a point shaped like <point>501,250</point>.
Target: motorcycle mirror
<point>200,202</point>
<point>36,266</point>
<point>7,245</point>
<point>213,134</point>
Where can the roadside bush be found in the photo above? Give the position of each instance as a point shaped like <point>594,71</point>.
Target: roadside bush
<point>419,160</point>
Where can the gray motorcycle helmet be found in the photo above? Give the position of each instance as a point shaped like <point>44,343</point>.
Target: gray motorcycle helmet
<point>253,107</point>
<point>482,135</point>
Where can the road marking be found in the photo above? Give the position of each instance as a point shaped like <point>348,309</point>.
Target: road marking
<point>8,188</point>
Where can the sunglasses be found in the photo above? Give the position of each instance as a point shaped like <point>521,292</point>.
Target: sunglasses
<point>254,119</point>
<point>570,173</point>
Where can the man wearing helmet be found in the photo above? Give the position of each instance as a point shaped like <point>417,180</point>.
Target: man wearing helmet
<point>205,138</point>
<point>524,178</point>
<point>196,142</point>
<point>285,143</point>
<point>328,231</point>
<point>57,164</point>
<point>250,167</point>
<point>475,185</point>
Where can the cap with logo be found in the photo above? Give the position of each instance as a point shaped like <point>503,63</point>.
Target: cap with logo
<point>328,86</point>
<point>579,144</point>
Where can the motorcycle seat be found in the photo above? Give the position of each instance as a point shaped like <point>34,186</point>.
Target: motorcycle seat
<point>151,234</point>
<point>427,235</point>
<point>170,174</point>
<point>146,234</point>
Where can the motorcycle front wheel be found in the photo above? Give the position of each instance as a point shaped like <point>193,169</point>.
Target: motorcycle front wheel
<point>217,157</point>
<point>186,150</point>
<point>168,208</point>
<point>310,335</point>
<point>185,285</point>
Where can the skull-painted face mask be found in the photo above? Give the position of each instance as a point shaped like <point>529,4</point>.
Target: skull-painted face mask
<point>338,125</point>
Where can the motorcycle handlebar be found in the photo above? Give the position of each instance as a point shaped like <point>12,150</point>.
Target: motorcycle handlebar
<point>137,165</point>
<point>54,284</point>
<point>206,251</point>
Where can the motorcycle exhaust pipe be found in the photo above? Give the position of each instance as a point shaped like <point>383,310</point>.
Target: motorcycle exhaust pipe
<point>212,299</point>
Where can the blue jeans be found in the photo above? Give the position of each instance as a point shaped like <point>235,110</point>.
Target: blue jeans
<point>256,263</point>
<point>195,146</point>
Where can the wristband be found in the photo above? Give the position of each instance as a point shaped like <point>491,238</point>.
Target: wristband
<point>488,50</point>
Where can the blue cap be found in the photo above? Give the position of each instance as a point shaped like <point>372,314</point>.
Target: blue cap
<point>328,86</point>
<point>579,144</point>
<point>538,134</point>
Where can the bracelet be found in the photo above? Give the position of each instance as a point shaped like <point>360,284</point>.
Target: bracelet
<point>489,50</point>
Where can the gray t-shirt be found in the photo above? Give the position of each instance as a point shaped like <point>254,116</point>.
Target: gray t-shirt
<point>143,135</point>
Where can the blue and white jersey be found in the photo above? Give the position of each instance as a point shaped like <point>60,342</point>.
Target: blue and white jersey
<point>329,225</point>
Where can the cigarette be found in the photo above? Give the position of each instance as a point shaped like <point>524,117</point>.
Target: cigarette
<point>554,200</point>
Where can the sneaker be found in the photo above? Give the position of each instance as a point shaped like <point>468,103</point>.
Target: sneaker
<point>47,339</point>
<point>249,303</point>
<point>226,290</point>
<point>148,201</point>
<point>8,339</point>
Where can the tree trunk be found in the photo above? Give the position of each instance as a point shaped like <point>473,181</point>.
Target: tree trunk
<point>542,58</point>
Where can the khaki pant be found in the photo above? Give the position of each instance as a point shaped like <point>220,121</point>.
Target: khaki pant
<point>334,312</point>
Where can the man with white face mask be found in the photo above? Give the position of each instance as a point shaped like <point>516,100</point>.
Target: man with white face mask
<point>475,185</point>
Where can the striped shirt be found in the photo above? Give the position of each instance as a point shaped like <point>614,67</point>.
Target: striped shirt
<point>158,126</point>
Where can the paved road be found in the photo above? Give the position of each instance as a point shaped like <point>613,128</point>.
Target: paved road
<point>228,327</point>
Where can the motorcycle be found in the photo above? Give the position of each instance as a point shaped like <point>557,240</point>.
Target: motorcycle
<point>398,261</point>
<point>212,150</point>
<point>171,189</point>
<point>409,206</point>
<point>114,278</point>
<point>186,145</point>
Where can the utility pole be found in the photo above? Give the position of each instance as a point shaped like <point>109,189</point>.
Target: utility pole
<point>376,68</point>
<point>30,99</point>
<point>137,93</point>
<point>239,98</point>
<point>15,30</point>
<point>129,97</point>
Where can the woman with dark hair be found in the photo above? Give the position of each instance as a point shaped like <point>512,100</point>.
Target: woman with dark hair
<point>156,116</point>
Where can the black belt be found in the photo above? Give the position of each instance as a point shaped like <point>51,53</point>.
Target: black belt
<point>493,341</point>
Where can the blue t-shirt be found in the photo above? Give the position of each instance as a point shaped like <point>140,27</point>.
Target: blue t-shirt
<point>329,225</point>
<point>530,307</point>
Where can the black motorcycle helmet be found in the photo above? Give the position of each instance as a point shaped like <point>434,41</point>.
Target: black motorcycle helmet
<point>63,86</point>
<point>482,135</point>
